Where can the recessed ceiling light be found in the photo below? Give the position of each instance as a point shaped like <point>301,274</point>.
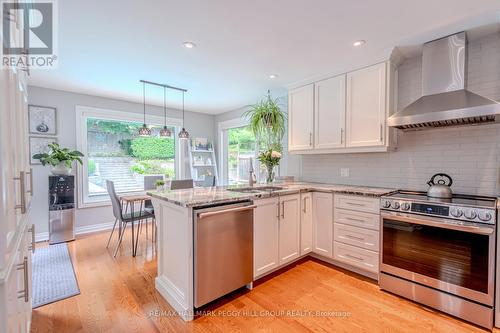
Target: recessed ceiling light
<point>189,45</point>
<point>359,42</point>
<point>273,76</point>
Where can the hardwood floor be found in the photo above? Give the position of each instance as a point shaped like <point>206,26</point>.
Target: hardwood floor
<point>118,295</point>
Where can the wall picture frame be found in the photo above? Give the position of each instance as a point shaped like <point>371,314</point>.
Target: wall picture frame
<point>39,145</point>
<point>42,120</point>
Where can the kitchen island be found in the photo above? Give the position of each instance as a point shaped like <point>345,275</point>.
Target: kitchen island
<point>176,212</point>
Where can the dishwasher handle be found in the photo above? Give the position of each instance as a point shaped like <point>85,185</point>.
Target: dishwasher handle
<point>230,210</point>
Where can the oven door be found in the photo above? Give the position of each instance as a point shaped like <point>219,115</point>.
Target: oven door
<point>452,256</point>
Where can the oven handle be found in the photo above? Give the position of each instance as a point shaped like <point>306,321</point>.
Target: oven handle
<point>474,229</point>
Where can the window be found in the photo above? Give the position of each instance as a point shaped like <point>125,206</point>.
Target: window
<point>238,146</point>
<point>114,151</point>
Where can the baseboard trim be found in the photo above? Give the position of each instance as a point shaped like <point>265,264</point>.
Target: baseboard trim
<point>87,229</point>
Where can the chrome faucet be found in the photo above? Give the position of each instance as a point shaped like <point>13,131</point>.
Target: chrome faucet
<point>252,179</point>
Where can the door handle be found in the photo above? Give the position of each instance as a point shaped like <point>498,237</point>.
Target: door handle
<point>22,186</point>
<point>25,293</point>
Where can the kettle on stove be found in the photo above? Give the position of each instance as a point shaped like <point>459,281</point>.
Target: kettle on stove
<point>440,186</point>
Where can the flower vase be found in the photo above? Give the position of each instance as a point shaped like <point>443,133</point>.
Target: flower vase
<point>270,174</point>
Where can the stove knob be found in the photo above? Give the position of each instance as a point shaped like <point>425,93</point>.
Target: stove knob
<point>485,216</point>
<point>405,206</point>
<point>456,212</point>
<point>470,214</point>
<point>395,205</point>
<point>386,204</point>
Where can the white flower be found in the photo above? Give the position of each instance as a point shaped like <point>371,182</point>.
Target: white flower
<point>275,154</point>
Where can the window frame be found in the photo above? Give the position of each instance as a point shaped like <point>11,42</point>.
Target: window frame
<point>223,128</point>
<point>85,112</point>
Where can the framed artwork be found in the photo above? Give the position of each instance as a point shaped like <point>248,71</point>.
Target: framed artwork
<point>39,145</point>
<point>42,120</point>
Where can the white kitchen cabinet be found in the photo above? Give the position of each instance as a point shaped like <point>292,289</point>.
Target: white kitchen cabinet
<point>323,223</point>
<point>306,223</point>
<point>366,107</point>
<point>329,113</point>
<point>266,236</point>
<point>301,118</point>
<point>289,228</point>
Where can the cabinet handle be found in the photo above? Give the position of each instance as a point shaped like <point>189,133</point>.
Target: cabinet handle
<point>25,293</point>
<point>305,205</point>
<point>30,191</point>
<point>354,237</point>
<point>310,139</point>
<point>353,257</point>
<point>22,185</point>
<point>353,219</point>
<point>33,242</point>
<point>278,204</point>
<point>381,133</point>
<point>341,136</point>
<point>283,210</point>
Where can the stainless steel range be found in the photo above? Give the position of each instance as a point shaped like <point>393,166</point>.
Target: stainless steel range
<point>440,252</point>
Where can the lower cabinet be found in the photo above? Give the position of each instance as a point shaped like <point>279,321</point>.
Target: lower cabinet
<point>322,209</point>
<point>306,223</point>
<point>276,232</point>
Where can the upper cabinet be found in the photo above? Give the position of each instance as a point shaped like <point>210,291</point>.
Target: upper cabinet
<point>366,111</point>
<point>344,114</point>
<point>300,118</point>
<point>329,113</point>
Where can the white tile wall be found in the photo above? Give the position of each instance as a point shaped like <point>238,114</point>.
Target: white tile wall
<point>470,155</point>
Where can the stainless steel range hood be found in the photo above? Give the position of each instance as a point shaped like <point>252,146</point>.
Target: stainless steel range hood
<point>445,101</point>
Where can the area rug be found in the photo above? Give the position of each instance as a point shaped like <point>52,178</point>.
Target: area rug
<point>54,278</point>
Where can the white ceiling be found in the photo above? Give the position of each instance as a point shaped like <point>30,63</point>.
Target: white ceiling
<point>106,47</point>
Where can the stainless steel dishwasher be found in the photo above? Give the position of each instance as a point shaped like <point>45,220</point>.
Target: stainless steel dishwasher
<point>223,250</point>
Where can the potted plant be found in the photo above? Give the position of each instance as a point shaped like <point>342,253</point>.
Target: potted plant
<point>267,122</point>
<point>270,158</point>
<point>160,185</point>
<point>61,159</point>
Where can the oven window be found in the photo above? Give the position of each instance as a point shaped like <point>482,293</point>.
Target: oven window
<point>451,256</point>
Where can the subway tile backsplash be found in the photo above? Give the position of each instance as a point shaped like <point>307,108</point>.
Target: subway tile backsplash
<point>470,155</point>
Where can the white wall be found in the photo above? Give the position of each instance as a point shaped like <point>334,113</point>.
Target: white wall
<point>199,125</point>
<point>470,155</point>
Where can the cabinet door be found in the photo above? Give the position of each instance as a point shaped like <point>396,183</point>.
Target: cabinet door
<point>329,113</point>
<point>265,236</point>
<point>366,107</point>
<point>300,118</point>
<point>306,224</point>
<point>289,237</point>
<point>323,223</point>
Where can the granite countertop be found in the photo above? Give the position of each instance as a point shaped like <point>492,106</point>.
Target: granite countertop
<point>201,196</point>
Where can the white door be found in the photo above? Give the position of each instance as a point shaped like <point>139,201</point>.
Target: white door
<point>300,118</point>
<point>323,223</point>
<point>366,107</point>
<point>289,226</point>
<point>306,223</point>
<point>265,236</point>
<point>329,113</point>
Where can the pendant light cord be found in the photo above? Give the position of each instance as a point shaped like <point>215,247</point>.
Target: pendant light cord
<point>165,104</point>
<point>144,100</point>
<point>183,109</point>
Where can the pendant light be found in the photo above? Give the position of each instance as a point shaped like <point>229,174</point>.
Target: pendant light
<point>165,132</point>
<point>144,131</point>
<point>183,134</point>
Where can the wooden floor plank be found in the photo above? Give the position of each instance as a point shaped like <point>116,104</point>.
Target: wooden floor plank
<point>118,295</point>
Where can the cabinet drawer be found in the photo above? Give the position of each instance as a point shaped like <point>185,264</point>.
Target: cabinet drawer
<point>357,219</point>
<point>357,257</point>
<point>358,203</point>
<point>365,238</point>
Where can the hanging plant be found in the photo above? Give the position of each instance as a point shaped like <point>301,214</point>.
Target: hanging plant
<point>267,122</point>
